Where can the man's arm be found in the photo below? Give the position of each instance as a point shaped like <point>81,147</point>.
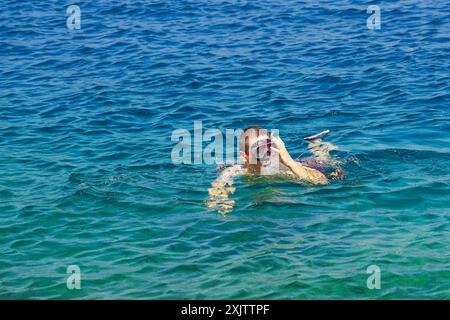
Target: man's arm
<point>308,174</point>
<point>221,188</point>
<point>302,172</point>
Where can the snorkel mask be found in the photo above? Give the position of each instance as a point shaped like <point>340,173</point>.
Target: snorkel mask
<point>261,150</point>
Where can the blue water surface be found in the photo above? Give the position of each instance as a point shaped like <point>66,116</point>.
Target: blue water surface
<point>86,176</point>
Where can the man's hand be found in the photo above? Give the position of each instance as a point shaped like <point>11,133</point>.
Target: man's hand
<point>285,157</point>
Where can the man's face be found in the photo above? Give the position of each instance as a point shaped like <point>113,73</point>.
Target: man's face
<point>255,137</point>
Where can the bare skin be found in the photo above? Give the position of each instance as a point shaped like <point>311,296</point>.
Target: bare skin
<point>304,173</point>
<point>222,187</point>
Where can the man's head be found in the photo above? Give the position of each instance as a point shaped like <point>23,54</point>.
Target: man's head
<point>254,144</point>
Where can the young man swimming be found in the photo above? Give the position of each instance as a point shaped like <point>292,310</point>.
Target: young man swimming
<point>262,153</point>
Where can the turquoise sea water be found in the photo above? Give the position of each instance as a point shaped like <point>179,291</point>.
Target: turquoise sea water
<point>86,177</point>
